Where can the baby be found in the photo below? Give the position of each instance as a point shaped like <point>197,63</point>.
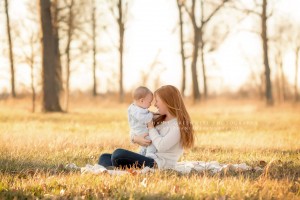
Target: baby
<point>139,116</point>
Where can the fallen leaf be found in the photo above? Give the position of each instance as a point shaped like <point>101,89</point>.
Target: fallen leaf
<point>175,189</point>
<point>132,171</point>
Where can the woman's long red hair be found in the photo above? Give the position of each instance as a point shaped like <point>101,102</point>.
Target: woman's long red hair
<point>172,98</point>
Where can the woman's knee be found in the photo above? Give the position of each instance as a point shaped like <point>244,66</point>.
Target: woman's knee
<point>105,159</point>
<point>118,153</point>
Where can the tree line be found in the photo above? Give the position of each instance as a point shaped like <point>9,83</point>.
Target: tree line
<point>202,27</point>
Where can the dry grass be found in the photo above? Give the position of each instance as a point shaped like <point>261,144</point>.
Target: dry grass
<point>34,146</point>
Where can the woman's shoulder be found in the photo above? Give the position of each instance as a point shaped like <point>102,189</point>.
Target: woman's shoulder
<point>170,123</point>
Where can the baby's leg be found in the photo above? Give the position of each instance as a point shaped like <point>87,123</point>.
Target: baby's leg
<point>150,151</point>
<point>143,151</point>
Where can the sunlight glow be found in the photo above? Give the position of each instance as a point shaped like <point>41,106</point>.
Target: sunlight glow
<point>151,30</point>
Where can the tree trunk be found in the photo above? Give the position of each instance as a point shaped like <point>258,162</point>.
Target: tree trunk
<point>268,92</point>
<point>94,48</point>
<point>278,61</point>
<point>203,64</point>
<point>202,49</point>
<point>56,45</point>
<point>50,81</point>
<point>30,59</point>
<point>68,53</point>
<point>196,92</point>
<point>296,74</point>
<point>67,80</point>
<point>11,56</point>
<point>282,80</point>
<point>182,52</point>
<point>121,48</point>
<point>32,79</point>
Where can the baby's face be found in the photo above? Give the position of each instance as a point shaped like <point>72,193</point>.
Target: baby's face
<point>146,102</point>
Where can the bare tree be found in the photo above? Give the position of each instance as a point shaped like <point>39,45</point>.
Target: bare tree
<point>278,80</point>
<point>120,13</point>
<point>70,32</point>
<point>264,16</point>
<point>197,32</point>
<point>295,41</point>
<point>87,31</point>
<point>50,81</point>
<point>279,46</point>
<point>180,6</point>
<point>69,24</point>
<point>286,38</point>
<point>29,44</point>
<point>121,23</point>
<point>30,58</point>
<point>198,42</point>
<point>11,55</point>
<point>55,22</point>
<point>264,38</point>
<point>94,47</point>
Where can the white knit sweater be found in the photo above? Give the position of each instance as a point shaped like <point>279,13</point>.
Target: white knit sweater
<point>166,138</point>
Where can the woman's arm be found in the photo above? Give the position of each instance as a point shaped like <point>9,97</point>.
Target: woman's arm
<point>141,140</point>
<point>163,143</point>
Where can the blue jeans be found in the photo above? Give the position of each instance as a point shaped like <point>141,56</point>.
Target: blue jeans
<point>125,159</point>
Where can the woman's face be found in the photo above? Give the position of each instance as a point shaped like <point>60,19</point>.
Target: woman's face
<point>160,105</point>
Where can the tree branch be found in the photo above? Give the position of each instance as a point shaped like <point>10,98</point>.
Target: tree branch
<point>214,12</point>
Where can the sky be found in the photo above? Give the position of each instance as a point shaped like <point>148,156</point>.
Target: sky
<point>149,31</point>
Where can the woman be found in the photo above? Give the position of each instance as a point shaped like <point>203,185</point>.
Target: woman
<point>170,133</point>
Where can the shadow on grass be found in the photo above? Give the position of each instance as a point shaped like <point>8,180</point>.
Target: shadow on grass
<point>15,165</point>
<point>161,196</point>
<point>29,168</point>
<point>16,194</point>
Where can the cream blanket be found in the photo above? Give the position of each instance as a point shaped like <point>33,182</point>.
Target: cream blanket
<point>186,167</point>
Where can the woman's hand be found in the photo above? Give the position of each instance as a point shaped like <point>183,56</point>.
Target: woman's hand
<point>141,140</point>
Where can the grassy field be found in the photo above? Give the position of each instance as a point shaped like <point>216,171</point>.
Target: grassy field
<point>35,146</point>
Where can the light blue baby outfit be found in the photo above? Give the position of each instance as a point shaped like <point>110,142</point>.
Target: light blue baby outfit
<point>138,118</point>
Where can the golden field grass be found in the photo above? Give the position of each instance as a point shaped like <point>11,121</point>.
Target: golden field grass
<point>35,146</point>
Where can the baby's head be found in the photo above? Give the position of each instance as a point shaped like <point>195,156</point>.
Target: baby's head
<point>142,97</point>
